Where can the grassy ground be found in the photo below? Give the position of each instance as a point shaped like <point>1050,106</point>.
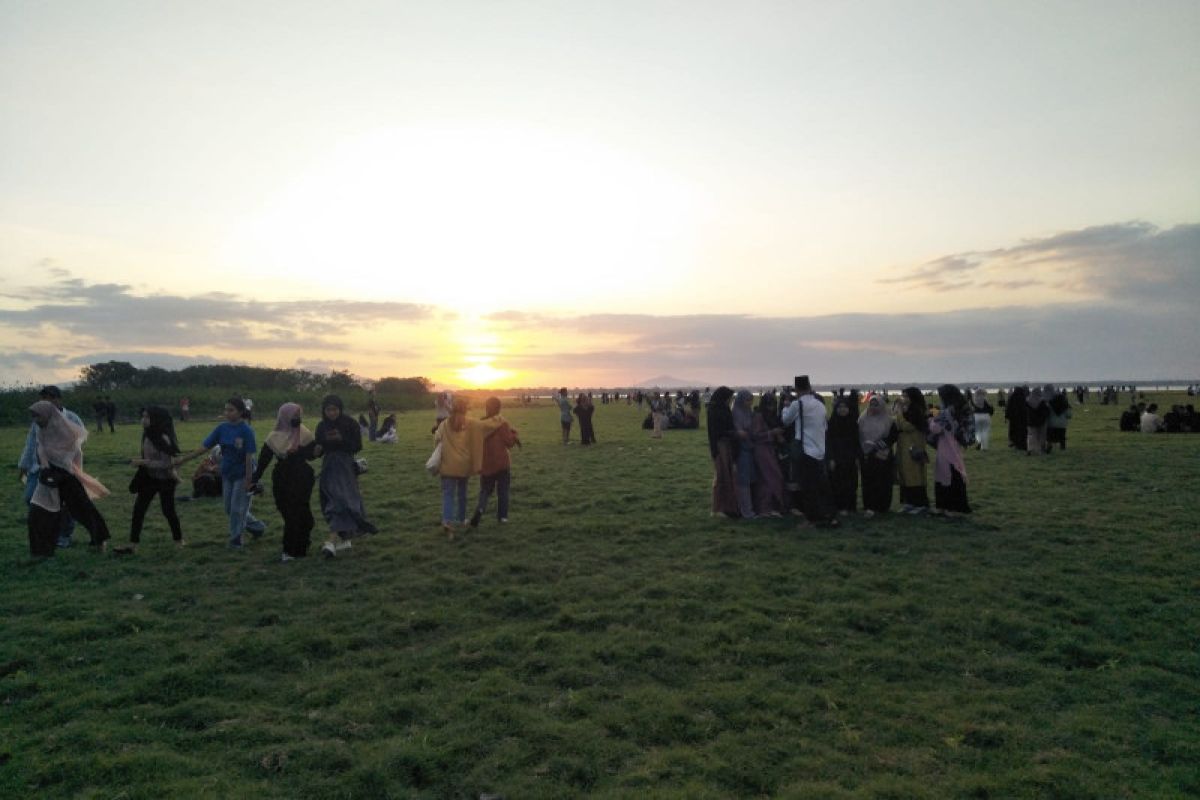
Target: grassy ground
<point>614,640</point>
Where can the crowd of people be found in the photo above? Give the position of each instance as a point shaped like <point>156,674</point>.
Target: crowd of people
<point>784,453</point>
<point>787,454</point>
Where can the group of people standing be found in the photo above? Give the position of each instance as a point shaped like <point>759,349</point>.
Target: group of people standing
<point>466,447</point>
<point>1037,418</point>
<point>805,461</point>
<point>60,492</point>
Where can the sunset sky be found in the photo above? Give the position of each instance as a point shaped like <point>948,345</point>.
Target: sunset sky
<point>593,194</point>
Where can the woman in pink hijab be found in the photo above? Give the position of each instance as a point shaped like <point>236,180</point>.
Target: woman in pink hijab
<point>62,483</point>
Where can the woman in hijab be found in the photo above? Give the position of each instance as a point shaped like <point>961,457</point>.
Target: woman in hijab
<point>722,446</point>
<point>155,475</point>
<point>770,497</point>
<point>876,435</point>
<point>291,445</point>
<point>387,431</point>
<point>1057,420</point>
<point>842,452</point>
<point>948,435</point>
<point>1017,414</point>
<point>744,473</point>
<point>983,419</point>
<point>911,457</point>
<point>337,440</point>
<point>584,410</point>
<point>1037,414</point>
<point>63,486</point>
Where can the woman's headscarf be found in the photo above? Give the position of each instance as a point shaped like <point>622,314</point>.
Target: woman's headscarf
<point>916,413</point>
<point>458,413</point>
<point>1035,398</point>
<point>743,414</point>
<point>951,397</point>
<point>981,398</point>
<point>60,444</point>
<point>332,400</point>
<point>720,418</point>
<point>284,437</point>
<point>846,427</point>
<point>875,424</point>
<point>161,431</point>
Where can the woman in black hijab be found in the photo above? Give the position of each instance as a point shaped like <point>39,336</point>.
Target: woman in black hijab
<point>722,444</point>
<point>843,453</point>
<point>1016,412</point>
<point>338,438</point>
<point>912,425</point>
<point>155,475</point>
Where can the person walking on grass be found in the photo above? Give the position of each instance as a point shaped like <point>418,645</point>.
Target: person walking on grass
<point>949,435</point>
<point>338,438</point>
<point>723,447</point>
<point>496,472</point>
<point>28,465</point>
<point>236,438</point>
<point>155,475</point>
<point>462,457</point>
<point>564,414</point>
<point>62,485</point>
<point>291,446</point>
<point>372,415</point>
<point>1057,421</point>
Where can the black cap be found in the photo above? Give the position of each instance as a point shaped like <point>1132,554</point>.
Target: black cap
<point>802,384</point>
<point>50,391</point>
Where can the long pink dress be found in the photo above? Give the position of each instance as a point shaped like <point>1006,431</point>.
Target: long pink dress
<point>769,494</point>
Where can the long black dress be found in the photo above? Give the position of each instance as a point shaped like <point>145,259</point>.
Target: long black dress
<point>843,453</point>
<point>879,475</point>
<point>292,483</point>
<point>1018,422</point>
<point>341,501</point>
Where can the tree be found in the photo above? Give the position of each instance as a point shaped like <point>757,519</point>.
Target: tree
<point>109,376</point>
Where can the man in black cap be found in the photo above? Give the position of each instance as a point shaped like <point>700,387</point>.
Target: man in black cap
<point>807,411</point>
<point>29,465</point>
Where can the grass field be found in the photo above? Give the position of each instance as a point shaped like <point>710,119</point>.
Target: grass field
<point>613,640</point>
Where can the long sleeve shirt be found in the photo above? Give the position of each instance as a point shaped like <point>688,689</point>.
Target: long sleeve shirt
<point>808,414</point>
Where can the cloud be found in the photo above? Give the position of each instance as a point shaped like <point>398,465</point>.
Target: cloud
<point>1130,262</point>
<point>110,313</point>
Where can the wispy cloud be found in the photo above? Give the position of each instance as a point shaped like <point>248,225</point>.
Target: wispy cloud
<point>1123,262</point>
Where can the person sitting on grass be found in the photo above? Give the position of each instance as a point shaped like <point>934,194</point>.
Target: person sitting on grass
<point>387,430</point>
<point>1150,421</point>
<point>495,474</point>
<point>1130,421</point>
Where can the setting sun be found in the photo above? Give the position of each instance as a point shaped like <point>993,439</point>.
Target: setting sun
<point>482,375</point>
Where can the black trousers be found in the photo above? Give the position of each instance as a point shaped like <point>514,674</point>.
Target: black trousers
<point>816,493</point>
<point>166,501</point>
<point>44,525</point>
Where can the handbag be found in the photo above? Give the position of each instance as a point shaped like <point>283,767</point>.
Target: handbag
<point>51,476</point>
<point>918,455</point>
<point>434,465</point>
<point>139,480</point>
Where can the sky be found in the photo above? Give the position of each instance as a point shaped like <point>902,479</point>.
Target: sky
<point>595,194</point>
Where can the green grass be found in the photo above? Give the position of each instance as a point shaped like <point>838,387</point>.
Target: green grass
<point>614,640</point>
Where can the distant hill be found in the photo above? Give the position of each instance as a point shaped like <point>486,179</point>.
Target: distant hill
<point>669,382</point>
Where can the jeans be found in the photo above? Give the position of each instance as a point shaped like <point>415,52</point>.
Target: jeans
<point>500,483</point>
<point>66,521</point>
<point>454,489</point>
<point>237,506</point>
<point>166,500</point>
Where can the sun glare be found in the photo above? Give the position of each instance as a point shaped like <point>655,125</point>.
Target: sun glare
<point>482,376</point>
<point>477,217</point>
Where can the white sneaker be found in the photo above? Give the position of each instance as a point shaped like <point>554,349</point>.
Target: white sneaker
<point>286,558</point>
<point>328,550</point>
<point>344,544</point>
<point>504,520</point>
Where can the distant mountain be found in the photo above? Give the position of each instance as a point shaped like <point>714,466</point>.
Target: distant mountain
<point>669,382</point>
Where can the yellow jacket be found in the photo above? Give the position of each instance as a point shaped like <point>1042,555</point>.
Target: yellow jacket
<point>462,451</point>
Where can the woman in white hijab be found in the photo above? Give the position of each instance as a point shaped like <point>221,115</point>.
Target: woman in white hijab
<point>62,483</point>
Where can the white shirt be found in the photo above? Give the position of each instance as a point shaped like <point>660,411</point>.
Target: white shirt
<point>813,418</point>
